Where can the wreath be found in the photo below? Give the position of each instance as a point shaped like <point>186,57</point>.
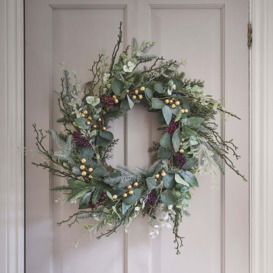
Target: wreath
<point>190,142</point>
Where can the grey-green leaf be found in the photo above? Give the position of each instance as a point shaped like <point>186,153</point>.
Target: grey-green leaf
<point>176,139</point>
<point>190,178</point>
<point>133,198</point>
<point>167,113</point>
<point>164,153</point>
<point>106,135</point>
<point>131,103</point>
<point>117,86</point>
<point>193,121</point>
<point>168,180</point>
<point>84,201</point>
<point>180,180</point>
<point>188,132</point>
<point>165,141</point>
<point>148,93</point>
<point>124,207</point>
<point>159,88</point>
<point>151,184</point>
<point>190,163</point>
<point>157,103</point>
<point>168,198</point>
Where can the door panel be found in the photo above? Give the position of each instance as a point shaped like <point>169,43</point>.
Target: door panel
<point>211,36</point>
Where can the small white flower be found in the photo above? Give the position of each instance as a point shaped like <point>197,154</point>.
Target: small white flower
<point>129,67</point>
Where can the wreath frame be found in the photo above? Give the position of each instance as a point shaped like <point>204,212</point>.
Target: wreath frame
<point>115,196</point>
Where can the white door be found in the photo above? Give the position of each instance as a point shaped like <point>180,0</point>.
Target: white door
<point>211,36</point>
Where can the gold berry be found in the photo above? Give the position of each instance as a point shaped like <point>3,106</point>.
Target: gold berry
<point>125,195</point>
<point>183,139</point>
<point>104,128</point>
<point>177,103</point>
<point>136,91</point>
<point>129,187</point>
<point>115,196</point>
<point>142,88</point>
<point>131,192</point>
<point>95,126</point>
<point>90,170</point>
<point>99,119</point>
<point>167,101</point>
<point>114,96</point>
<point>134,97</point>
<point>82,167</point>
<point>89,118</point>
<point>171,101</point>
<point>186,110</point>
<point>163,174</point>
<point>83,160</point>
<point>182,111</point>
<point>173,105</point>
<point>83,115</point>
<point>116,100</point>
<point>88,122</point>
<point>181,151</point>
<point>90,176</point>
<point>84,173</point>
<point>157,176</point>
<point>140,97</point>
<point>128,91</point>
<point>135,184</point>
<point>85,112</point>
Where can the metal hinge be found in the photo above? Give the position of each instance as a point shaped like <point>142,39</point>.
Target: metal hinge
<point>249,35</point>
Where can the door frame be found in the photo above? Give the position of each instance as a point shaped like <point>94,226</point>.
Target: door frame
<point>12,136</point>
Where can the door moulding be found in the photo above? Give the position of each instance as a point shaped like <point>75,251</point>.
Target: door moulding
<point>12,136</point>
<point>261,134</point>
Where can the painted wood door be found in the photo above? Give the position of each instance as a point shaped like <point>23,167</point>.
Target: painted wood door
<point>211,36</point>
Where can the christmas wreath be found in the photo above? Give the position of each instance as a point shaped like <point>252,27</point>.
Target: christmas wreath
<point>190,142</point>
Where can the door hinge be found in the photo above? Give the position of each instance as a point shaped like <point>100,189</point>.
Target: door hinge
<point>249,35</point>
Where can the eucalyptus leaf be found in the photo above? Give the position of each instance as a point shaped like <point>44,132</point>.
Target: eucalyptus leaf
<point>117,86</point>
<point>149,93</point>
<point>188,132</point>
<point>157,103</point>
<point>124,207</point>
<point>106,135</point>
<point>125,105</point>
<point>190,178</point>
<point>190,163</point>
<point>159,88</point>
<point>168,198</point>
<point>78,194</point>
<point>130,102</point>
<point>151,183</point>
<point>180,180</point>
<point>164,153</point>
<point>81,122</point>
<point>160,117</point>
<point>193,121</point>
<point>102,141</point>
<point>167,113</point>
<point>131,199</point>
<point>84,201</point>
<point>176,139</point>
<point>168,180</point>
<point>165,141</point>
<point>178,116</point>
